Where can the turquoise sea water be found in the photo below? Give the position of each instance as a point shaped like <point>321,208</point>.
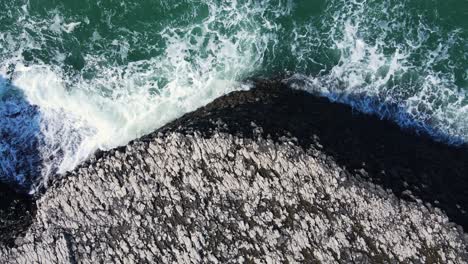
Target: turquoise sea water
<point>76,76</point>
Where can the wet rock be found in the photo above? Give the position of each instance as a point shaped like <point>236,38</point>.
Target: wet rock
<point>16,213</point>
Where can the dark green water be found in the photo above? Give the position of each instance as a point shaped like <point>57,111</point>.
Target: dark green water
<point>104,72</point>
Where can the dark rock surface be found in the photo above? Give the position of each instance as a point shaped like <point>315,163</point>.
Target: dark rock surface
<point>412,166</point>
<point>269,175</point>
<point>16,213</point>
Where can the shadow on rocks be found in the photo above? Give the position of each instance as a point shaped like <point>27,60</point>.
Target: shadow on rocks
<point>19,161</point>
<point>414,167</point>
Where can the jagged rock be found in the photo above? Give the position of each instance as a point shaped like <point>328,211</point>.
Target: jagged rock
<point>222,185</point>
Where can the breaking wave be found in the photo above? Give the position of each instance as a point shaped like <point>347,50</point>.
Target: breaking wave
<point>78,78</point>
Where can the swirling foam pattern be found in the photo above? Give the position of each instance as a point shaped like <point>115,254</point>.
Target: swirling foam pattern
<point>77,76</point>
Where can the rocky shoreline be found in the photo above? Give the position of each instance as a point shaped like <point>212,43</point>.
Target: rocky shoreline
<point>270,174</point>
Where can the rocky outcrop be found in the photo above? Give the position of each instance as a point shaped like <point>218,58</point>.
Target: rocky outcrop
<point>254,177</point>
<point>16,213</point>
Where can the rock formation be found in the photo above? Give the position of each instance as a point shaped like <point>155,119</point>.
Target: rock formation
<point>267,175</point>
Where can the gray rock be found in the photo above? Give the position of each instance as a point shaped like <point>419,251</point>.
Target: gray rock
<point>206,193</point>
<point>222,199</point>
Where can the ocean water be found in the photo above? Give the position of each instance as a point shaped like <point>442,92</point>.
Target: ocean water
<point>77,76</point>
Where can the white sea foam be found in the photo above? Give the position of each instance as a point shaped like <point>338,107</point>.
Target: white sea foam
<point>120,102</point>
<point>390,84</point>
<point>105,95</point>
